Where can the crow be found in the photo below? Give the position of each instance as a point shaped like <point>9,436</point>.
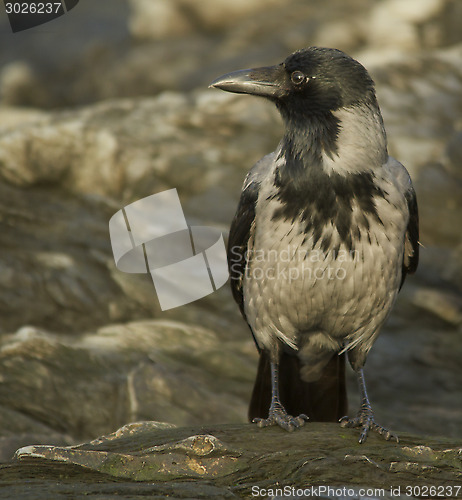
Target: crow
<point>325,232</point>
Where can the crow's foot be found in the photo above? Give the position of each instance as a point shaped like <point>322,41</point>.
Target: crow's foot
<point>279,416</point>
<point>365,420</point>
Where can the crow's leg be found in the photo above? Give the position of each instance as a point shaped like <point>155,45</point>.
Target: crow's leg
<point>277,414</point>
<point>365,416</point>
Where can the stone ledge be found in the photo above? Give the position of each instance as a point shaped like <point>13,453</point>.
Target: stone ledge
<point>226,461</point>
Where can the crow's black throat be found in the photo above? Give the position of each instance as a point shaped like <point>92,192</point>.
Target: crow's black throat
<point>317,198</point>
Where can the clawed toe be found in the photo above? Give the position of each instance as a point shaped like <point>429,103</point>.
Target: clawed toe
<point>365,416</point>
<point>366,423</point>
<point>283,419</point>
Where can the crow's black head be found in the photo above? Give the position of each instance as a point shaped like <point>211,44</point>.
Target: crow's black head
<point>320,79</point>
<point>311,81</point>
<point>327,100</point>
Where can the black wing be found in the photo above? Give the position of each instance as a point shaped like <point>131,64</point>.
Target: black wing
<point>411,242</point>
<point>243,227</point>
<point>240,233</point>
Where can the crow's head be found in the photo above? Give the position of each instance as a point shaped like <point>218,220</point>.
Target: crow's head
<point>314,81</point>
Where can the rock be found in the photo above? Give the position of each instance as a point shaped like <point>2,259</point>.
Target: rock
<point>445,305</point>
<point>17,83</point>
<point>236,461</point>
<point>86,347</point>
<point>162,19</point>
<point>454,152</point>
<point>12,117</point>
<point>9,444</point>
<point>55,244</point>
<point>410,93</point>
<point>54,270</point>
<point>149,369</point>
<point>143,145</point>
<point>439,190</point>
<point>46,379</point>
<point>119,148</point>
<point>393,28</point>
<point>157,19</point>
<point>142,47</point>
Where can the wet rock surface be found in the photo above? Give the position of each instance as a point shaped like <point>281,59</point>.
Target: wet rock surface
<point>120,112</point>
<point>234,461</point>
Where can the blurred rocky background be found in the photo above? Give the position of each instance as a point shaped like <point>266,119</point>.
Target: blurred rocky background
<point>110,103</point>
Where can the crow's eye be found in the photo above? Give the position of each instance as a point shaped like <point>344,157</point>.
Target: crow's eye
<point>297,77</point>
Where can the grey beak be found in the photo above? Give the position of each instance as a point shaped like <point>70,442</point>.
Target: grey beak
<point>266,82</point>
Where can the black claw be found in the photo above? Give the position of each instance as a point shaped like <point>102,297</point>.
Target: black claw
<point>344,421</point>
<point>283,419</point>
<point>363,436</point>
<point>367,423</point>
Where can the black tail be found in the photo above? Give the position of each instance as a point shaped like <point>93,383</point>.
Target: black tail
<point>323,401</point>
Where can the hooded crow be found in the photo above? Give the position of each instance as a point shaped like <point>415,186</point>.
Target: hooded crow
<point>326,231</point>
